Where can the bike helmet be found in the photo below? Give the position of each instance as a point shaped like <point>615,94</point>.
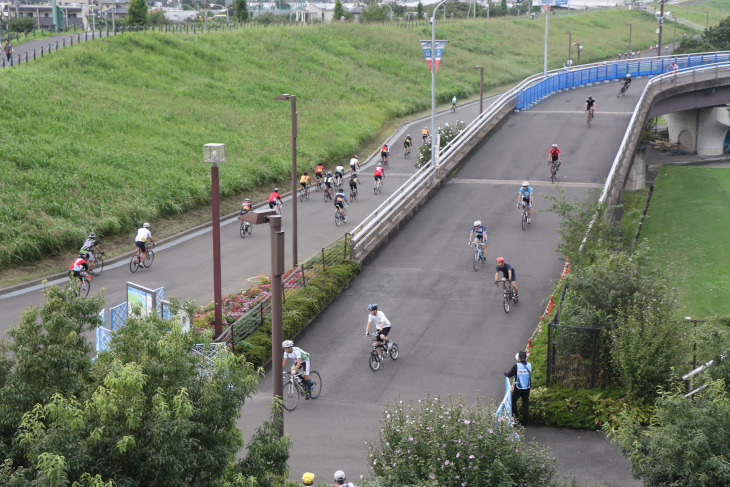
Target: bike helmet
<point>380,164</point>
<point>372,307</point>
<point>500,260</point>
<point>276,190</point>
<point>83,256</point>
<point>329,173</point>
<point>145,225</point>
<point>308,478</point>
<point>590,97</point>
<point>628,75</point>
<point>477,223</point>
<point>92,235</point>
<point>525,183</point>
<point>247,200</point>
<point>355,156</point>
<point>339,476</point>
<point>408,135</point>
<point>305,173</point>
<point>555,145</point>
<point>287,344</point>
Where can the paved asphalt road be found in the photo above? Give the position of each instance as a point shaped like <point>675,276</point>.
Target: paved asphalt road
<point>454,336</point>
<point>447,319</point>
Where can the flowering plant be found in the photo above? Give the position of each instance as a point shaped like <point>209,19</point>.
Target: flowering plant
<point>448,133</point>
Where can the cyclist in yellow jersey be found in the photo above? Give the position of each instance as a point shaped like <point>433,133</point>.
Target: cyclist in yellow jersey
<point>304,183</point>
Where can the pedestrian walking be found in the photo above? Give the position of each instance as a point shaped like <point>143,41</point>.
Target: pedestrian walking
<point>9,50</point>
<point>522,372</point>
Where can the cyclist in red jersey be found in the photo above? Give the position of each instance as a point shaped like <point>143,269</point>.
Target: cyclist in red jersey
<point>77,267</point>
<point>275,199</point>
<point>554,154</point>
<point>318,171</point>
<point>379,173</point>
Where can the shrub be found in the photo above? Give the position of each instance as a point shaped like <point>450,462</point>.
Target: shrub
<point>448,133</point>
<point>21,24</point>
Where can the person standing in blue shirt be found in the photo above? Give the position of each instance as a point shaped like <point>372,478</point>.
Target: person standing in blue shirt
<point>524,195</point>
<point>522,372</point>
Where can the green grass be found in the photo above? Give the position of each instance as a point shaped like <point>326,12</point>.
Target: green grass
<point>686,228</point>
<point>697,12</point>
<point>109,134</point>
<point>633,205</point>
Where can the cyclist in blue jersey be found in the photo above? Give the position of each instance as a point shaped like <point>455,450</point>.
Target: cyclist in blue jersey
<point>479,235</point>
<point>302,362</point>
<point>524,197</point>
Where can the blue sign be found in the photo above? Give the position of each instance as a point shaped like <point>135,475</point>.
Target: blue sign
<point>426,45</point>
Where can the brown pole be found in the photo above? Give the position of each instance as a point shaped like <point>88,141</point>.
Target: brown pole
<point>570,43</point>
<point>277,269</point>
<point>293,99</point>
<point>216,250</point>
<point>481,89</point>
<point>661,25</point>
<point>631,28</point>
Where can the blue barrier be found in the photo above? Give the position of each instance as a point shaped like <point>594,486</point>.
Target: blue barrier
<point>604,72</point>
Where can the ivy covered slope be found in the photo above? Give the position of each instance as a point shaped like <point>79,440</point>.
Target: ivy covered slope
<point>107,134</point>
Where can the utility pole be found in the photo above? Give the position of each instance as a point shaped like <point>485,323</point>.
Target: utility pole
<point>631,28</point>
<point>661,24</point>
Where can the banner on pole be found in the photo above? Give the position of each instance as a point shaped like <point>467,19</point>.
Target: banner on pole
<point>554,3</point>
<point>426,45</point>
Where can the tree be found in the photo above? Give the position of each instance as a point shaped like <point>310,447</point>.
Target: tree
<point>339,10</point>
<point>241,10</point>
<point>375,13</point>
<point>419,10</point>
<point>158,18</point>
<point>137,13</point>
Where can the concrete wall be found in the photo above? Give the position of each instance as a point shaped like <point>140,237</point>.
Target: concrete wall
<point>700,131</point>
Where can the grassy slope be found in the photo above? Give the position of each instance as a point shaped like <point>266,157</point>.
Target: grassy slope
<point>686,227</point>
<point>109,134</point>
<point>697,11</point>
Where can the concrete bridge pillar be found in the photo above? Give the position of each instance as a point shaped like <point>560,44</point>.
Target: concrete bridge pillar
<point>637,175</point>
<point>700,131</point>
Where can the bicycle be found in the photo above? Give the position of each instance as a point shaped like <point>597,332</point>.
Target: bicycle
<point>384,159</point>
<point>339,217</point>
<point>553,171</point>
<point>303,193</point>
<point>525,216</point>
<point>338,181</point>
<point>318,184</point>
<point>622,90</point>
<point>589,117</point>
<point>407,152</point>
<point>82,290</point>
<point>294,388</point>
<point>353,193</point>
<point>246,227</point>
<point>96,258</point>
<point>327,194</point>
<point>453,107</point>
<point>479,257</point>
<point>375,357</point>
<point>507,295</point>
<point>135,262</point>
<point>378,186</point>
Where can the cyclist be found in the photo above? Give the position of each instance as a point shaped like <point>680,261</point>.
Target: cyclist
<point>626,82</point>
<point>304,181</point>
<point>246,206</point>
<point>508,274</point>
<point>354,181</point>
<point>590,108</point>
<point>78,266</point>
<point>318,172</point>
<point>328,180</point>
<point>340,202</point>
<point>672,67</point>
<point>382,327</point>
<point>479,235</point>
<point>424,134</point>
<point>143,236</point>
<point>341,480</point>
<point>275,200</point>
<point>384,151</point>
<point>524,197</point>
<point>554,154</point>
<point>407,143</point>
<point>379,174</point>
<point>339,174</point>
<point>453,103</point>
<point>90,244</point>
<point>354,164</point>
<point>302,362</point>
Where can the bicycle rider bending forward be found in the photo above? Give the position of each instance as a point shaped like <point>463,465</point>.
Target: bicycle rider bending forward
<point>479,235</point>
<point>143,235</point>
<point>304,181</point>
<point>627,82</point>
<point>524,197</point>
<point>554,155</point>
<point>384,151</point>
<point>91,243</point>
<point>328,181</point>
<point>590,108</point>
<point>382,328</point>
<point>78,266</point>
<point>407,143</point>
<point>340,202</point>
<point>302,362</point>
<point>353,182</point>
<point>508,274</point>
<point>379,174</point>
<point>275,200</point>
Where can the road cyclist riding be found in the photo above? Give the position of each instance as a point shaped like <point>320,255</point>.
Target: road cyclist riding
<point>354,164</point>
<point>554,161</point>
<point>304,182</point>
<point>92,254</point>
<point>453,103</point>
<point>246,227</point>
<point>625,83</point>
<point>319,175</point>
<point>144,255</point>
<point>407,144</point>
<point>424,134</point>
<point>524,202</point>
<point>328,183</point>
<point>300,380</point>
<point>340,204</point>
<point>590,110</point>
<point>354,181</point>
<point>379,175</point>
<point>479,236</point>
<point>78,274</point>
<point>339,175</point>
<point>384,152</point>
<point>508,280</point>
<point>275,201</point>
<point>382,345</point>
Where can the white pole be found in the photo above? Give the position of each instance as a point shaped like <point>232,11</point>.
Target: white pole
<point>433,86</point>
<point>547,12</point>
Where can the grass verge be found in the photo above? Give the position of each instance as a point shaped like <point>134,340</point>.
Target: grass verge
<point>709,12</point>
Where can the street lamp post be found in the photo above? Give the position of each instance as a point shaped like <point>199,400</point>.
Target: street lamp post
<point>570,44</point>
<point>433,84</point>
<point>631,26</point>
<point>214,154</point>
<point>481,87</point>
<point>293,99</point>
<point>675,31</point>
<point>545,55</point>
<point>661,27</point>
<point>578,48</point>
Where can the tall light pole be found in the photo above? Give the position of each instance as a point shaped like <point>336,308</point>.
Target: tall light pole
<point>675,30</point>
<point>214,154</point>
<point>481,87</point>
<point>661,26</point>
<point>570,44</point>
<point>433,84</point>
<point>631,26</point>
<point>293,99</point>
<point>578,48</point>
<point>547,14</point>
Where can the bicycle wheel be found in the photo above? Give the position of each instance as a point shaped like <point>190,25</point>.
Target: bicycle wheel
<point>149,258</point>
<point>98,265</point>
<point>524,219</point>
<point>134,263</point>
<point>84,289</point>
<point>394,351</point>
<point>249,228</point>
<point>338,218</point>
<point>552,173</point>
<point>316,380</point>
<point>289,395</point>
<point>506,302</point>
<point>325,195</point>
<point>278,209</point>
<point>476,260</point>
<point>301,196</point>
<point>243,230</point>
<point>374,361</point>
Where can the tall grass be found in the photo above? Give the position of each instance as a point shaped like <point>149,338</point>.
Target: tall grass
<point>702,13</point>
<point>109,134</point>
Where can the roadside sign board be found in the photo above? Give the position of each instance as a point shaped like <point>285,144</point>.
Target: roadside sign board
<point>426,45</point>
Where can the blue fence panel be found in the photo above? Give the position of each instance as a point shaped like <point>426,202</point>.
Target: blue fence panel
<point>119,314</point>
<point>103,335</point>
<point>160,295</point>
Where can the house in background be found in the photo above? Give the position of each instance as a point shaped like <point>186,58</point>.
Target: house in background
<point>43,14</point>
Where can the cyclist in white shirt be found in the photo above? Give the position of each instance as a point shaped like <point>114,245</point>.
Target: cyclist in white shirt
<point>354,164</point>
<point>302,362</point>
<point>143,236</point>
<point>339,174</point>
<point>382,327</point>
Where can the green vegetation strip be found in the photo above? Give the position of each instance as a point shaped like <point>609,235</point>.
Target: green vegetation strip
<point>687,231</point>
<point>109,134</point>
<point>701,13</point>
